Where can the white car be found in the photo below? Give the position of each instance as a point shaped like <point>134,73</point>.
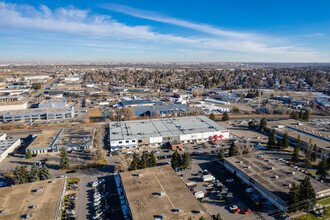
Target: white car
<point>94,184</point>
<point>97,215</point>
<point>70,211</point>
<point>249,190</point>
<point>230,180</point>
<point>96,203</point>
<point>233,207</point>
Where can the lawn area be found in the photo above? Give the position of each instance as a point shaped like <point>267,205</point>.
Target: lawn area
<point>324,201</point>
<point>73,179</point>
<point>313,217</point>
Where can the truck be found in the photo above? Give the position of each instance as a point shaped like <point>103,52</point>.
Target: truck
<point>208,177</point>
<point>199,194</point>
<point>191,185</point>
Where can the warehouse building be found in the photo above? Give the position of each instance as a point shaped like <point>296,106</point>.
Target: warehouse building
<point>30,115</point>
<point>36,200</point>
<point>157,193</point>
<point>160,110</point>
<point>53,103</point>
<point>54,140</point>
<point>271,177</point>
<point>135,103</point>
<point>7,146</point>
<point>157,132</point>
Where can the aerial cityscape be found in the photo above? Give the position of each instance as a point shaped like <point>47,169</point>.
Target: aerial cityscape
<point>147,110</point>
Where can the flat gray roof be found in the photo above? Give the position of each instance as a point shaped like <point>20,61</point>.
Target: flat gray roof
<point>76,136</point>
<point>164,127</point>
<point>264,167</point>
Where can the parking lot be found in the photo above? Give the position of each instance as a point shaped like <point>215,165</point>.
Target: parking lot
<point>215,201</point>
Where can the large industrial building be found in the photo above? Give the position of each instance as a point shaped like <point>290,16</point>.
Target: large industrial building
<point>53,103</point>
<point>36,200</point>
<point>161,110</point>
<point>157,193</point>
<point>29,115</point>
<point>70,138</point>
<point>7,146</point>
<point>271,177</point>
<point>156,132</point>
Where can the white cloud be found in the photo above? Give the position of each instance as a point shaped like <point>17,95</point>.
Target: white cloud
<point>74,21</point>
<point>199,27</point>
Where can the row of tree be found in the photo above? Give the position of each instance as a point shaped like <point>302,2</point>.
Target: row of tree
<point>303,116</point>
<point>302,196</point>
<point>274,142</point>
<point>22,175</point>
<point>146,160</point>
<point>311,156</point>
<point>225,116</point>
<point>180,161</point>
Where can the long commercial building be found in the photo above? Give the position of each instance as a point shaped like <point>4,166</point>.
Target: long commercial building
<point>271,177</point>
<point>156,132</point>
<point>30,115</point>
<point>36,200</point>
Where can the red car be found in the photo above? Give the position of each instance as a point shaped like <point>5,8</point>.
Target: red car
<point>236,210</point>
<point>246,211</point>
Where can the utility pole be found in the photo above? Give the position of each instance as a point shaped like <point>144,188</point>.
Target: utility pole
<point>259,98</point>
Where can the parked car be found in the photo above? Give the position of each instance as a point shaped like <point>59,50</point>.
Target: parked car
<point>70,211</point>
<point>249,190</point>
<point>236,210</point>
<point>94,184</point>
<point>97,215</point>
<point>246,211</point>
<point>233,207</point>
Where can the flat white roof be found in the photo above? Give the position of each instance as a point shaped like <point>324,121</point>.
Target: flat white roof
<point>6,144</point>
<point>164,127</point>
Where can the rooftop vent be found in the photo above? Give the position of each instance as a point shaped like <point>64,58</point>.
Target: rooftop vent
<point>159,217</point>
<point>33,206</point>
<point>177,211</point>
<point>37,190</point>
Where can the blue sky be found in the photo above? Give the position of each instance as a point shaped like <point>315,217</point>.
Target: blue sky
<point>174,31</point>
